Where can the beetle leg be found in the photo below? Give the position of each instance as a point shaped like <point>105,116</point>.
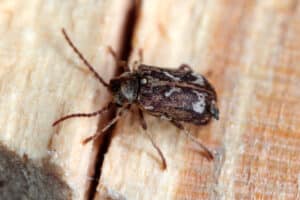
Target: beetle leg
<point>141,56</point>
<point>142,120</point>
<point>112,122</point>
<point>185,67</point>
<point>120,63</point>
<point>208,153</point>
<point>98,112</point>
<point>140,60</point>
<point>144,126</point>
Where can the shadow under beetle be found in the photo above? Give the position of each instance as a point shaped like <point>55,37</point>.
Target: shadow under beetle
<point>178,95</point>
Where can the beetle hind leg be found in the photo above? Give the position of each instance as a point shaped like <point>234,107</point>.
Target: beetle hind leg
<point>144,126</point>
<point>208,153</point>
<point>108,125</point>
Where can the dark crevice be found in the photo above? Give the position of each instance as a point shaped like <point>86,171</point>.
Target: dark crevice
<point>125,50</point>
<point>99,161</point>
<point>129,28</point>
<point>2,183</point>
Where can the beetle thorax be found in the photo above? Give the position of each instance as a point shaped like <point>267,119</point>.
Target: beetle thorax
<point>125,88</point>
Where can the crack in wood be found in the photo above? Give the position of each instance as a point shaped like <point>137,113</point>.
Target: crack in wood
<point>125,50</point>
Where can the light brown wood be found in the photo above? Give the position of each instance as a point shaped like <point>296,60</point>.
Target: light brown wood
<point>249,51</point>
<point>41,79</point>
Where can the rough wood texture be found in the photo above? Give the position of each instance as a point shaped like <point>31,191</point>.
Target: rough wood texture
<point>250,51</point>
<point>42,79</point>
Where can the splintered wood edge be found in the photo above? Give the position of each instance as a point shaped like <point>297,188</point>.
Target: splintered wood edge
<point>233,43</point>
<point>42,79</point>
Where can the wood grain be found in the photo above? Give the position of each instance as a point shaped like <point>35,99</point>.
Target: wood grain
<point>250,51</point>
<point>42,79</point>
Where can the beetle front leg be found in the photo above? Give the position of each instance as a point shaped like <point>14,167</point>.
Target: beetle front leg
<point>209,154</point>
<point>140,60</point>
<point>144,126</point>
<point>120,63</point>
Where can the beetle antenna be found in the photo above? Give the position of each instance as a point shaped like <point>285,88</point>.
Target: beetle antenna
<point>98,112</point>
<point>79,54</point>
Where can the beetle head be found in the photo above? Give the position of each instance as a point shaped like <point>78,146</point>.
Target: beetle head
<point>124,88</point>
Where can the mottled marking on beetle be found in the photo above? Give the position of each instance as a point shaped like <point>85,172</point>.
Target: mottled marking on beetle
<point>199,106</point>
<point>179,105</point>
<point>149,107</point>
<point>163,117</point>
<point>170,92</point>
<point>199,79</point>
<point>171,76</point>
<point>144,81</point>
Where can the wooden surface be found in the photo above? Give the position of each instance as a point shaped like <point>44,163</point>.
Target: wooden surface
<point>42,79</point>
<point>249,50</point>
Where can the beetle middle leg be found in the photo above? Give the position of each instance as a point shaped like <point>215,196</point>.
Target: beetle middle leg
<point>144,126</point>
<point>109,124</point>
<point>208,153</point>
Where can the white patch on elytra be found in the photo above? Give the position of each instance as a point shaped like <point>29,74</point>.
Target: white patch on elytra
<point>171,76</point>
<point>199,106</point>
<point>144,81</point>
<point>164,118</point>
<point>171,91</point>
<point>149,107</point>
<point>199,79</point>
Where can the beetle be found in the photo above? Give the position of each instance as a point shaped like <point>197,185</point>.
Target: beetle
<point>178,95</point>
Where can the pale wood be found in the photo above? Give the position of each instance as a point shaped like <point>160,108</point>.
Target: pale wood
<point>42,79</point>
<point>249,50</point>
